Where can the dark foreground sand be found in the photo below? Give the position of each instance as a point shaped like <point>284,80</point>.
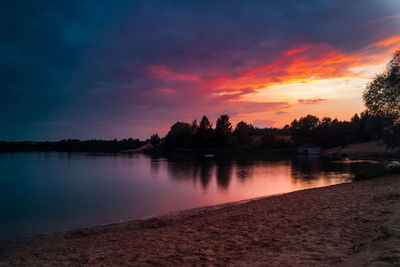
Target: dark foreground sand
<point>352,224</point>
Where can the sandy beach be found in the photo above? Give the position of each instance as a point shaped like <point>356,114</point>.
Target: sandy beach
<point>354,224</point>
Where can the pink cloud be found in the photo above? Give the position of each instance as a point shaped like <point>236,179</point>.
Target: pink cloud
<point>162,73</point>
<point>311,101</point>
<point>264,123</point>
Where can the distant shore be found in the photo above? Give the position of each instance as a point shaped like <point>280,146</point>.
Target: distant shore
<point>347,224</point>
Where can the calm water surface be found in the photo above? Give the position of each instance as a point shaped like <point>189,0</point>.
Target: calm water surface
<point>44,192</point>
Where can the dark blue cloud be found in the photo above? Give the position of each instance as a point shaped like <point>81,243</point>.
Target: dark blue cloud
<point>80,68</point>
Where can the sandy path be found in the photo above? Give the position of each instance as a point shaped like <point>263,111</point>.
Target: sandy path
<point>349,224</point>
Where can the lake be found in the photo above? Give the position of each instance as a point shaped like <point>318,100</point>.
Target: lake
<point>45,192</point>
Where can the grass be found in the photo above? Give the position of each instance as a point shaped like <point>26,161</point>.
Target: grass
<point>370,173</point>
<point>394,167</point>
<point>377,171</point>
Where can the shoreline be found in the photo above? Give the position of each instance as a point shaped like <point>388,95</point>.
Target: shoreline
<point>343,224</point>
<point>175,214</point>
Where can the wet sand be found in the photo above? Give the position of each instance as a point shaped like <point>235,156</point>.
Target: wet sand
<point>354,224</point>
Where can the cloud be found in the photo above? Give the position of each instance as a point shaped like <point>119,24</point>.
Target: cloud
<point>125,66</point>
<point>244,107</point>
<point>291,52</point>
<point>305,64</point>
<point>281,112</point>
<point>311,101</point>
<point>162,73</point>
<point>389,41</point>
<point>263,123</point>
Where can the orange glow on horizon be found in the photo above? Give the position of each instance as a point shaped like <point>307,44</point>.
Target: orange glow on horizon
<point>307,79</point>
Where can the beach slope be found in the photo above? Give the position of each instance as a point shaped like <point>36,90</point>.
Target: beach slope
<point>352,224</point>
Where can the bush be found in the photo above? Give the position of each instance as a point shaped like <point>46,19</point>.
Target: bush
<point>394,167</point>
<point>377,171</point>
<point>370,173</point>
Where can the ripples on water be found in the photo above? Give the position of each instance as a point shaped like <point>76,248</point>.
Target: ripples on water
<point>44,192</point>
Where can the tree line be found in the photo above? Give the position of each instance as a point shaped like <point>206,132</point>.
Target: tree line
<point>325,133</point>
<point>73,145</point>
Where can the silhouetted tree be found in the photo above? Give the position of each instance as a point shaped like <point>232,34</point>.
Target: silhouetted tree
<point>303,130</point>
<point>377,126</point>
<point>223,131</point>
<point>382,95</point>
<point>204,135</point>
<point>242,133</point>
<point>73,145</point>
<point>381,120</point>
<point>179,136</point>
<point>155,140</point>
<point>268,140</point>
<point>195,126</point>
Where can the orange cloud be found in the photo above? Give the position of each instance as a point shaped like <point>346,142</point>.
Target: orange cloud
<point>296,51</point>
<point>296,65</point>
<point>388,41</point>
<point>305,64</point>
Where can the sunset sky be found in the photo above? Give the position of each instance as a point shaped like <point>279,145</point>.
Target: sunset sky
<point>118,69</point>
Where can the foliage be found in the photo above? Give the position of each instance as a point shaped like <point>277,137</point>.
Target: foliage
<point>382,95</point>
<point>377,171</point>
<point>204,134</point>
<point>223,131</point>
<point>303,130</point>
<point>179,135</point>
<point>382,100</point>
<point>394,167</point>
<point>370,173</point>
<point>155,140</point>
<point>325,133</point>
<point>73,145</point>
<point>242,133</point>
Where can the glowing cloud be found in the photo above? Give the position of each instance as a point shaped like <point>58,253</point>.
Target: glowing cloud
<point>311,101</point>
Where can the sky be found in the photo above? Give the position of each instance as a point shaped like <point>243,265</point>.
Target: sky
<point>119,69</point>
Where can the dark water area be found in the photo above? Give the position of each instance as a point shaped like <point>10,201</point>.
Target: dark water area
<point>46,192</point>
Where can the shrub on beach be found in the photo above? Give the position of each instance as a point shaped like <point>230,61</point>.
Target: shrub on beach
<point>370,173</point>
<point>377,171</point>
<point>394,167</point>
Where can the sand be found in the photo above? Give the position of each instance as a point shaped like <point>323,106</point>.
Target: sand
<point>354,224</point>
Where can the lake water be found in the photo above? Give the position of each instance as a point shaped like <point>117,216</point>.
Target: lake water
<point>45,192</point>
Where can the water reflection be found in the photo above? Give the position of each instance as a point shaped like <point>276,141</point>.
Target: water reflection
<point>244,169</point>
<point>295,170</point>
<point>41,192</point>
<point>224,173</point>
<point>206,171</point>
<point>155,166</point>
